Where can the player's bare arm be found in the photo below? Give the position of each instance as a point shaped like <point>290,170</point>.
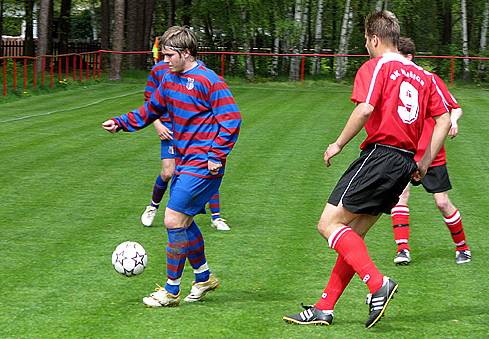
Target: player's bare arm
<point>110,126</point>
<point>354,125</point>
<point>163,132</point>
<point>455,115</point>
<point>440,132</point>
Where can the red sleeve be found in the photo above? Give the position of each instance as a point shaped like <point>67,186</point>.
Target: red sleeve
<point>449,98</point>
<point>436,104</point>
<point>368,83</point>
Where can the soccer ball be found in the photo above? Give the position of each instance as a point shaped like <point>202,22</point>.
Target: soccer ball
<point>129,258</point>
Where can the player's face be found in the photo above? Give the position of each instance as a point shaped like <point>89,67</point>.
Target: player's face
<point>371,45</point>
<point>175,60</point>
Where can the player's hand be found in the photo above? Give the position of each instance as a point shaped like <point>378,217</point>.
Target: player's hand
<point>110,126</point>
<point>213,167</point>
<point>453,132</point>
<point>418,174</point>
<point>164,132</point>
<point>332,150</point>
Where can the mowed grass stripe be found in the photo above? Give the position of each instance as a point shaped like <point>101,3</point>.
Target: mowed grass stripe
<point>73,192</point>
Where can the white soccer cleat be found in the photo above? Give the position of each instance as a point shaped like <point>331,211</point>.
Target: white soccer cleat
<point>161,298</point>
<point>200,289</point>
<point>148,215</point>
<point>220,224</point>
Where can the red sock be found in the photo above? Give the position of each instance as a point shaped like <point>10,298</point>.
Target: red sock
<point>352,247</point>
<point>454,224</point>
<point>338,280</point>
<point>400,224</point>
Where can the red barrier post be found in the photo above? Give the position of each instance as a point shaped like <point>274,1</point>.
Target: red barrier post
<point>51,72</point>
<point>99,63</point>
<point>15,74</point>
<point>87,66</point>
<point>60,69</point>
<point>222,65</point>
<point>452,70</point>
<point>302,67</point>
<point>81,68</point>
<point>34,73</point>
<point>67,66</point>
<point>25,74</point>
<point>74,67</point>
<point>94,66</point>
<point>4,77</point>
<point>43,67</point>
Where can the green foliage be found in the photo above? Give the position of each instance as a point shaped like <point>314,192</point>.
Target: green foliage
<point>81,26</point>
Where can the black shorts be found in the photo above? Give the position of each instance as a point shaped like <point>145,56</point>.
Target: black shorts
<point>436,180</point>
<point>373,183</point>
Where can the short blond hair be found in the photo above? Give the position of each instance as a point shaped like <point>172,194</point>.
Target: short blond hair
<point>180,38</point>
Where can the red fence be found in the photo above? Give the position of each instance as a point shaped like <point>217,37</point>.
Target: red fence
<point>36,72</point>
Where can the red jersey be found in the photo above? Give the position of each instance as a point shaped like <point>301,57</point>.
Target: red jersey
<point>441,157</point>
<point>403,96</point>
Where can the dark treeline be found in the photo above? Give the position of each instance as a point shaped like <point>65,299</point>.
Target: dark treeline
<point>438,27</point>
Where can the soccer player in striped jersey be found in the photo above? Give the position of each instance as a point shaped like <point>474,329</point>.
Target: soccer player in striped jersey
<point>167,155</point>
<point>393,97</point>
<point>205,122</point>
<point>436,181</point>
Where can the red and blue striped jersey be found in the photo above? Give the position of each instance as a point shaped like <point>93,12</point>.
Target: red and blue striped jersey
<point>154,79</point>
<point>204,115</point>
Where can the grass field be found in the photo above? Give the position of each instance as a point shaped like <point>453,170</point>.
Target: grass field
<point>71,192</point>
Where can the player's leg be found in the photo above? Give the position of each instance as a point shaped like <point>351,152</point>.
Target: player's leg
<point>176,254</point>
<point>453,220</point>
<point>216,221</point>
<point>400,225</point>
<point>342,272</point>
<point>437,181</point>
<point>204,281</point>
<point>161,183</point>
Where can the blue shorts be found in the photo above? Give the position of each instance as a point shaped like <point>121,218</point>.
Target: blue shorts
<point>167,151</point>
<point>190,194</point>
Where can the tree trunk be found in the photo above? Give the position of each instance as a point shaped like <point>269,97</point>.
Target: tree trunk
<point>117,40</point>
<point>64,26</point>
<point>93,19</point>
<point>247,44</point>
<point>483,41</point>
<point>29,31</point>
<point>298,32</point>
<point>187,11</point>
<point>1,28</point>
<point>133,38</point>
<point>171,13</point>
<point>379,5</point>
<point>106,17</point>
<point>346,28</point>
<point>465,40</point>
<point>316,68</point>
<point>147,32</point>
<point>42,31</point>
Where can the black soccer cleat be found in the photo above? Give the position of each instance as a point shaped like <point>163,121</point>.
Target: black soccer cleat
<point>403,257</point>
<point>310,316</point>
<point>379,300</point>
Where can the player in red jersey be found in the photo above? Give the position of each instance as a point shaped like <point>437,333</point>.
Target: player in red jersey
<point>393,97</point>
<point>436,181</point>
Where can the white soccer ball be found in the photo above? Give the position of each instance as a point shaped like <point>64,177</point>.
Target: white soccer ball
<point>129,258</point>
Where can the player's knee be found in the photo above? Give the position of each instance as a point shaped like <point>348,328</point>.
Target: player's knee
<point>442,203</point>
<point>165,176</point>
<point>324,228</point>
<point>171,222</point>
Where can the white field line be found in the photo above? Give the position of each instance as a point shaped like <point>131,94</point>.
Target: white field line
<point>68,109</point>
